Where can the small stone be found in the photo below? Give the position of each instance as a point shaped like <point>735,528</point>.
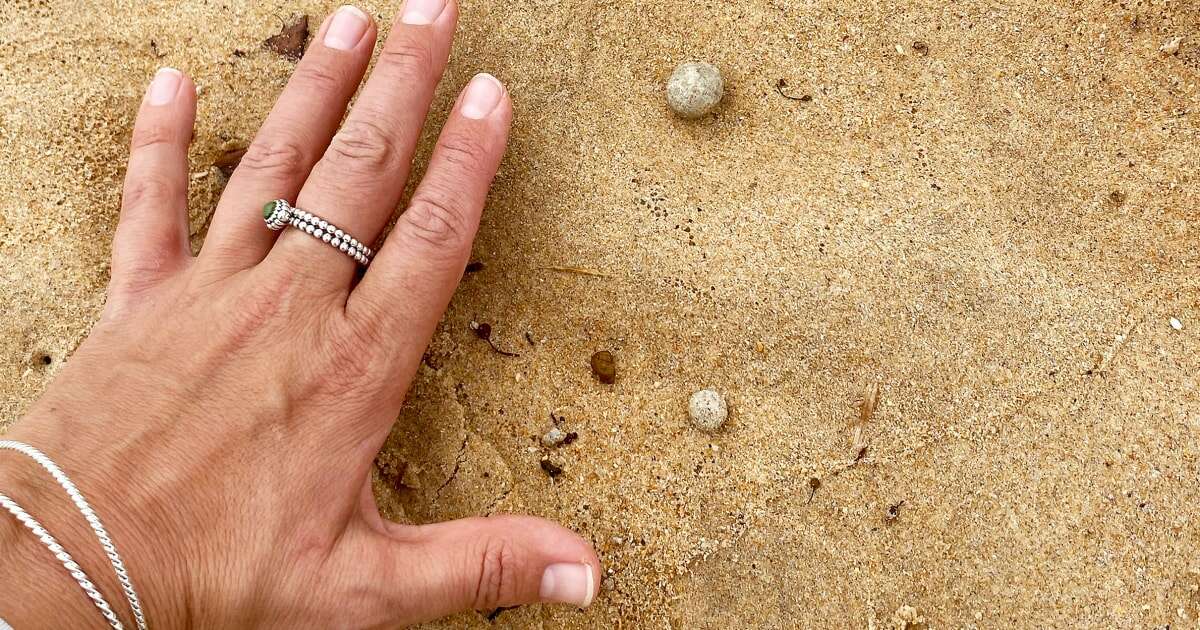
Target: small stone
<point>1171,47</point>
<point>695,89</point>
<point>1176,324</point>
<point>604,367</point>
<point>268,209</point>
<point>554,437</point>
<point>708,410</point>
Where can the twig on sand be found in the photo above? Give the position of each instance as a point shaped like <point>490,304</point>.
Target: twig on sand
<point>866,411</point>
<point>577,270</point>
<point>1118,343</point>
<point>782,85</point>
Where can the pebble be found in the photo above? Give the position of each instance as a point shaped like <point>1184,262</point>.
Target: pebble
<point>695,89</point>
<point>554,437</point>
<point>1171,47</point>
<point>604,367</point>
<point>1176,324</point>
<point>708,410</point>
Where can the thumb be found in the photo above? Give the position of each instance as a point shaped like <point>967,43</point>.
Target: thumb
<point>486,563</point>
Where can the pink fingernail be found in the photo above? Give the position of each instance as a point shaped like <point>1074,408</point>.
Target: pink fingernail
<point>164,87</point>
<point>347,28</point>
<point>482,96</point>
<point>419,12</point>
<point>568,583</point>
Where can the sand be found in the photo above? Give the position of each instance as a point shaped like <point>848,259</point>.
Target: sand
<point>989,213</point>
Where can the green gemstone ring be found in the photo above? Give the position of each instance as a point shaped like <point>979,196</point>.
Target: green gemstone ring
<point>279,214</point>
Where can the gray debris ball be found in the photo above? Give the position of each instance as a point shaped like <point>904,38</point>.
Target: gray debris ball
<point>553,437</point>
<point>708,410</point>
<point>695,89</point>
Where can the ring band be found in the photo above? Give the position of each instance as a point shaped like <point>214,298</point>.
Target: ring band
<point>279,214</point>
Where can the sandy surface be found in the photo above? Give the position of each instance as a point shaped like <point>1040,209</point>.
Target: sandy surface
<point>995,228</point>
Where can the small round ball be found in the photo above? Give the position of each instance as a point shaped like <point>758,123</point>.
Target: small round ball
<point>708,410</point>
<point>554,437</point>
<point>695,89</point>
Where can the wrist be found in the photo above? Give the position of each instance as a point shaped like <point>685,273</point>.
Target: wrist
<point>55,596</point>
<point>38,589</point>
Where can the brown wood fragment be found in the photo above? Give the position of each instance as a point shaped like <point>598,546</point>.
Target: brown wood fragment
<point>291,40</point>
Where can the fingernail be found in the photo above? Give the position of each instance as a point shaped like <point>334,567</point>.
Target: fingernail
<point>346,28</point>
<point>482,96</point>
<point>164,87</point>
<point>568,583</point>
<point>422,11</point>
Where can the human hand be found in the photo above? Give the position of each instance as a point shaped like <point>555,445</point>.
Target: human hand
<point>223,414</point>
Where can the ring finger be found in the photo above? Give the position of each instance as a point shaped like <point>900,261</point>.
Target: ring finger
<point>358,183</point>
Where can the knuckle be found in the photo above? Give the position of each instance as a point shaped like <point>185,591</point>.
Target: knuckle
<point>281,157</point>
<point>346,370</point>
<point>150,135</point>
<point>364,147</point>
<point>407,59</point>
<point>150,189</point>
<point>314,77</point>
<point>495,582</point>
<point>434,220</point>
<point>260,307</point>
<point>463,151</point>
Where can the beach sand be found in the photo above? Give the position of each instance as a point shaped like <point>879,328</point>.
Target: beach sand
<point>989,213</point>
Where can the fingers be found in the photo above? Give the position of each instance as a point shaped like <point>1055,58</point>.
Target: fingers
<point>358,182</point>
<point>485,563</point>
<point>417,269</point>
<point>291,140</point>
<point>152,235</point>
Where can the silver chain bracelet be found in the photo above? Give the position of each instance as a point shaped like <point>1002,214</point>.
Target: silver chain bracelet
<point>65,558</point>
<point>93,520</point>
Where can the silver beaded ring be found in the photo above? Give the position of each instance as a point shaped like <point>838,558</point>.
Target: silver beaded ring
<point>279,214</point>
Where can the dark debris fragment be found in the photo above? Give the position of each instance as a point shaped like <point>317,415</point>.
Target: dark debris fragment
<point>782,85</point>
<point>552,469</point>
<point>291,40</point>
<point>483,330</point>
<point>496,613</point>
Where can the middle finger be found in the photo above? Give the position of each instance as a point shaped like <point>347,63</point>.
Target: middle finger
<point>357,184</point>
